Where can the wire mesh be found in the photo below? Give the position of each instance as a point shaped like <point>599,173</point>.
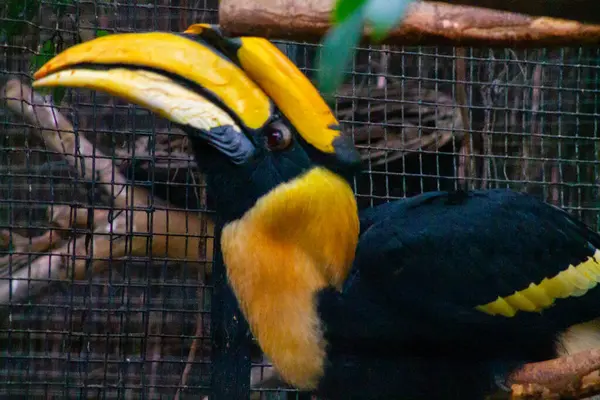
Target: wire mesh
<point>424,118</point>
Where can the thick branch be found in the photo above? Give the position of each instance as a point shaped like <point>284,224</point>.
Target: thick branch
<point>29,279</point>
<point>140,231</point>
<point>22,244</point>
<point>28,275</point>
<point>433,23</point>
<point>569,377</point>
<point>587,11</point>
<point>58,133</point>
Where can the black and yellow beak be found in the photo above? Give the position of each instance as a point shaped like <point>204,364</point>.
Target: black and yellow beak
<point>178,76</point>
<point>174,76</point>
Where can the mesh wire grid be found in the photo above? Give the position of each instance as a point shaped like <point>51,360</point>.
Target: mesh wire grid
<point>424,118</point>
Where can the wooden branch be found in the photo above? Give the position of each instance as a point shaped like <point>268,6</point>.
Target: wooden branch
<point>160,160</point>
<point>426,22</point>
<point>587,11</point>
<point>574,376</point>
<point>58,133</point>
<point>22,244</point>
<point>142,228</point>
<point>28,279</point>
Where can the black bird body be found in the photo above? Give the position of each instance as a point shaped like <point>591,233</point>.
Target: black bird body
<point>421,267</point>
<point>438,296</point>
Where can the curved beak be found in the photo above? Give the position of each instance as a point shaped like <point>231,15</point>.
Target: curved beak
<point>291,91</point>
<point>177,77</point>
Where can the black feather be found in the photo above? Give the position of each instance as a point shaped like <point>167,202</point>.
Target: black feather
<point>422,266</point>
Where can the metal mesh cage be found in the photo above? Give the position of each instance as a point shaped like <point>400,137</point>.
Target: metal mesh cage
<point>137,323</point>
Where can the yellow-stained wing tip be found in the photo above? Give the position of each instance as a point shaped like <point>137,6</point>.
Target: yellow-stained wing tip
<point>574,281</point>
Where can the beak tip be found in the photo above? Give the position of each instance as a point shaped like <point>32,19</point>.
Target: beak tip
<point>42,72</point>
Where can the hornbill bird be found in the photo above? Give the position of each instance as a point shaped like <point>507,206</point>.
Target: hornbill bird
<point>438,296</point>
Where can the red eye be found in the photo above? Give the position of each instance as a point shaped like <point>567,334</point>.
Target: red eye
<point>278,136</point>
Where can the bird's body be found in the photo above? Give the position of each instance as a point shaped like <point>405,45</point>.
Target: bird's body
<point>422,267</point>
<point>439,296</point>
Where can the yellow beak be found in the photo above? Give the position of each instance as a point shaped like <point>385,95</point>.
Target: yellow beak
<point>122,65</point>
<point>177,76</point>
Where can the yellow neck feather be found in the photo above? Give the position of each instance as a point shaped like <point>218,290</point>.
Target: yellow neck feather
<point>297,239</point>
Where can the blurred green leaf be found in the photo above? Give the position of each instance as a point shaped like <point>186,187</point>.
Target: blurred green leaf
<point>58,93</point>
<point>384,15</point>
<point>19,14</point>
<point>340,41</point>
<point>344,8</point>
<point>101,32</point>
<point>338,48</point>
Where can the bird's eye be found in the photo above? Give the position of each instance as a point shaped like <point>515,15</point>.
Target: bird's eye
<point>278,136</point>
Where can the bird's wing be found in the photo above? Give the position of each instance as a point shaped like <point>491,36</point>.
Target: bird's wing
<point>496,259</point>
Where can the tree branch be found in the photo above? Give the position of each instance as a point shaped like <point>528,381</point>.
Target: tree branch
<point>139,227</point>
<point>426,22</point>
<point>587,11</point>
<point>58,133</point>
<point>569,377</point>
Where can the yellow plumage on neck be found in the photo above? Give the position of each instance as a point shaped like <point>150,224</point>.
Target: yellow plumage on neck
<point>297,239</point>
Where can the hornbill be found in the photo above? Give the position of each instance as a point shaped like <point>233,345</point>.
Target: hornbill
<point>438,296</point>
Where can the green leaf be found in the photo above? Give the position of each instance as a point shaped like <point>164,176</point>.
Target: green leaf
<point>102,32</point>
<point>384,15</point>
<point>344,8</point>
<point>338,48</point>
<point>58,94</point>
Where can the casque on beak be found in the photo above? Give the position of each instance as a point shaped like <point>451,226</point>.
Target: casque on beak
<point>178,75</point>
